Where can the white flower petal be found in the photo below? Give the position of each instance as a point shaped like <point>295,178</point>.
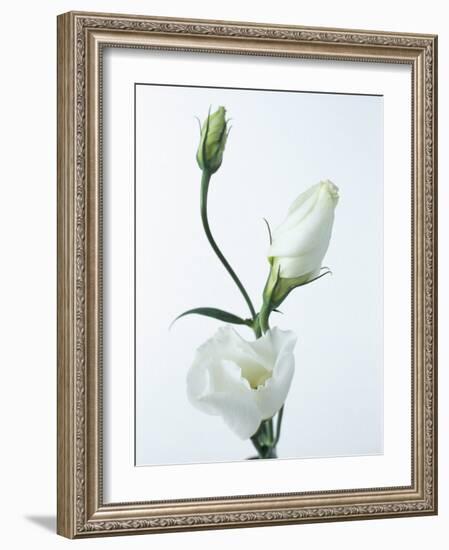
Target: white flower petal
<point>301,207</point>
<point>243,382</point>
<point>283,341</point>
<point>301,241</point>
<point>239,412</point>
<point>271,396</point>
<point>308,234</point>
<point>255,368</point>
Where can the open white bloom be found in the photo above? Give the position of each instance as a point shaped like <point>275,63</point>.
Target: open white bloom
<point>301,241</point>
<point>243,382</point>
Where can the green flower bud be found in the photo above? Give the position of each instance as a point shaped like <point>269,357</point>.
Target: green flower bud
<point>213,140</point>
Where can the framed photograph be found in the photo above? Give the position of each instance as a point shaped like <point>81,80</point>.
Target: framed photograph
<point>246,274</point>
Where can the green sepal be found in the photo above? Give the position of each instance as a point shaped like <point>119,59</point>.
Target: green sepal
<point>284,286</point>
<point>277,288</point>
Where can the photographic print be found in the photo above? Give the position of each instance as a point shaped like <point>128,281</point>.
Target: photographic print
<point>247,282</point>
<point>258,274</point>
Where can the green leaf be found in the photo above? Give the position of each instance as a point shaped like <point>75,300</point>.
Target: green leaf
<point>215,313</point>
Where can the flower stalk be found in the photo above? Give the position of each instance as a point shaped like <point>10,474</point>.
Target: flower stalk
<point>210,155</point>
<point>205,181</point>
<point>264,440</point>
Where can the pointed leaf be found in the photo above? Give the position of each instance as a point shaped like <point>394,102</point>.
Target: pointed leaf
<point>215,313</point>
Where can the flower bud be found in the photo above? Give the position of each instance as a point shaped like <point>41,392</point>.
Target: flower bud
<point>301,241</point>
<point>213,140</point>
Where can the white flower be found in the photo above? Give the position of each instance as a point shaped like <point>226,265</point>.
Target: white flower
<point>243,382</point>
<point>301,241</point>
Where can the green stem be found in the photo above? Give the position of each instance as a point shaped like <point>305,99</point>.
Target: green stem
<point>256,327</point>
<point>259,448</point>
<point>269,432</point>
<point>205,179</point>
<point>278,425</point>
<point>264,440</point>
<point>264,318</point>
<point>271,453</point>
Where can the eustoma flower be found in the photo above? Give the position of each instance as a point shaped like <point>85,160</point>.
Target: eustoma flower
<point>300,242</point>
<point>246,383</point>
<point>243,382</point>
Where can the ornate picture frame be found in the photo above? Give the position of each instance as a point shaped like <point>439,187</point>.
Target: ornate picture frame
<point>82,509</point>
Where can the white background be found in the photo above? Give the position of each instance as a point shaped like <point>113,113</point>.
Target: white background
<point>280,144</point>
<point>27,221</point>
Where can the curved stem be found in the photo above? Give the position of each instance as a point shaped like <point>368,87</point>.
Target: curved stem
<point>205,179</point>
